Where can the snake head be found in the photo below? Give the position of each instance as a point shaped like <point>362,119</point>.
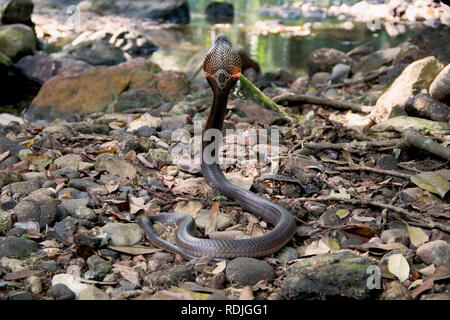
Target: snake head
<point>222,65</point>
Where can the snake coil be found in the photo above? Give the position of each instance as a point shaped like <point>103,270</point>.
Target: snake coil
<point>222,68</point>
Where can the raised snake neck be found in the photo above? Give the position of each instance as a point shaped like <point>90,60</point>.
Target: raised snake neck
<point>222,68</point>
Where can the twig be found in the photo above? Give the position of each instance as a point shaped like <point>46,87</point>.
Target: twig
<point>320,101</point>
<point>277,177</point>
<point>365,202</point>
<point>414,139</point>
<point>375,170</point>
<point>354,145</point>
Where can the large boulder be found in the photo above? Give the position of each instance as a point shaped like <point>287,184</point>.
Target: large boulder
<point>17,40</point>
<point>219,12</point>
<point>434,41</point>
<point>414,78</point>
<point>98,88</point>
<point>95,53</point>
<point>41,67</point>
<point>16,11</point>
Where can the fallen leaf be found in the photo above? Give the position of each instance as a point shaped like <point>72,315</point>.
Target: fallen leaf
<point>416,235</point>
<point>342,213</point>
<point>127,272</point>
<point>136,250</point>
<point>432,182</point>
<point>341,194</point>
<point>426,285</point>
<point>398,266</point>
<point>428,271</point>
<point>220,267</point>
<point>331,243</point>
<point>415,284</point>
<point>19,274</point>
<point>194,295</point>
<point>188,207</point>
<point>239,180</point>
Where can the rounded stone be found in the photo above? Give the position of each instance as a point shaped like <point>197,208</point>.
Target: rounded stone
<point>436,252</point>
<point>61,292</point>
<point>248,271</point>
<point>5,222</point>
<point>123,234</point>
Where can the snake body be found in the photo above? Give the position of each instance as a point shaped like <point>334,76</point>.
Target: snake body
<point>222,68</point>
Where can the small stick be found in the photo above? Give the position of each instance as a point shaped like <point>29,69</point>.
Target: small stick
<point>375,170</point>
<point>359,145</point>
<point>414,139</point>
<point>301,98</point>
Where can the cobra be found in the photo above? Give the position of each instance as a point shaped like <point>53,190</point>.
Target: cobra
<point>222,68</point>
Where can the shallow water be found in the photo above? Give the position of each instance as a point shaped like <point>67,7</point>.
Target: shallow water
<point>272,50</point>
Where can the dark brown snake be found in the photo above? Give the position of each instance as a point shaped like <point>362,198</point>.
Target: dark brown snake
<point>222,68</point>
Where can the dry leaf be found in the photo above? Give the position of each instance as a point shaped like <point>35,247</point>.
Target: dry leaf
<point>428,271</point>
<point>342,213</point>
<point>398,266</point>
<point>136,250</point>
<point>331,243</point>
<point>194,295</point>
<point>415,284</point>
<point>426,285</point>
<point>416,235</point>
<point>432,182</point>
<point>220,267</point>
<point>188,207</point>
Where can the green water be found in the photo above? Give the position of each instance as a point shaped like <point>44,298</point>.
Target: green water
<point>271,50</point>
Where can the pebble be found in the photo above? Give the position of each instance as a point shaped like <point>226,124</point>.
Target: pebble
<point>396,292</point>
<point>286,255</point>
<point>68,160</point>
<point>16,247</point>
<point>23,187</point>
<point>170,276</point>
<point>39,208</point>
<point>248,271</point>
<point>395,235</point>
<point>60,291</point>
<point>123,234</point>
<point>66,227</point>
<point>98,268</point>
<point>5,222</point>
<point>434,252</point>
<point>33,284</point>
<point>146,131</point>
<point>315,208</point>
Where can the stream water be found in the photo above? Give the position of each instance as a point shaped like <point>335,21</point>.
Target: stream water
<point>271,50</point>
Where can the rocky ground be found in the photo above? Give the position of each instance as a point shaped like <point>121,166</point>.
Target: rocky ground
<point>363,168</point>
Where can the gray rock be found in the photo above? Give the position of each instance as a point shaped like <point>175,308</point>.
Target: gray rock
<point>387,162</point>
<point>440,87</point>
<point>340,72</point>
<point>37,176</point>
<point>98,268</point>
<point>218,12</point>
<point>95,53</point>
<point>424,106</point>
<point>115,166</point>
<point>92,293</point>
<point>16,11</point>
<point>146,131</point>
<point>69,160</point>
<point>14,149</point>
<point>335,275</point>
<point>61,292</point>
<point>67,227</point>
<point>84,213</point>
<point>286,254</point>
<point>28,225</point>
<point>33,284</point>
<point>175,122</point>
<point>248,271</point>
<point>23,187</point>
<point>324,59</point>
<point>170,277</point>
<point>329,218</point>
<point>376,60</point>
<point>5,222</point>
<point>48,265</point>
<point>39,208</point>
<point>123,234</point>
<point>434,252</point>
<point>81,184</point>
<point>16,247</point>
<point>17,40</point>
<point>396,292</point>
<point>66,172</point>
<point>395,235</point>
